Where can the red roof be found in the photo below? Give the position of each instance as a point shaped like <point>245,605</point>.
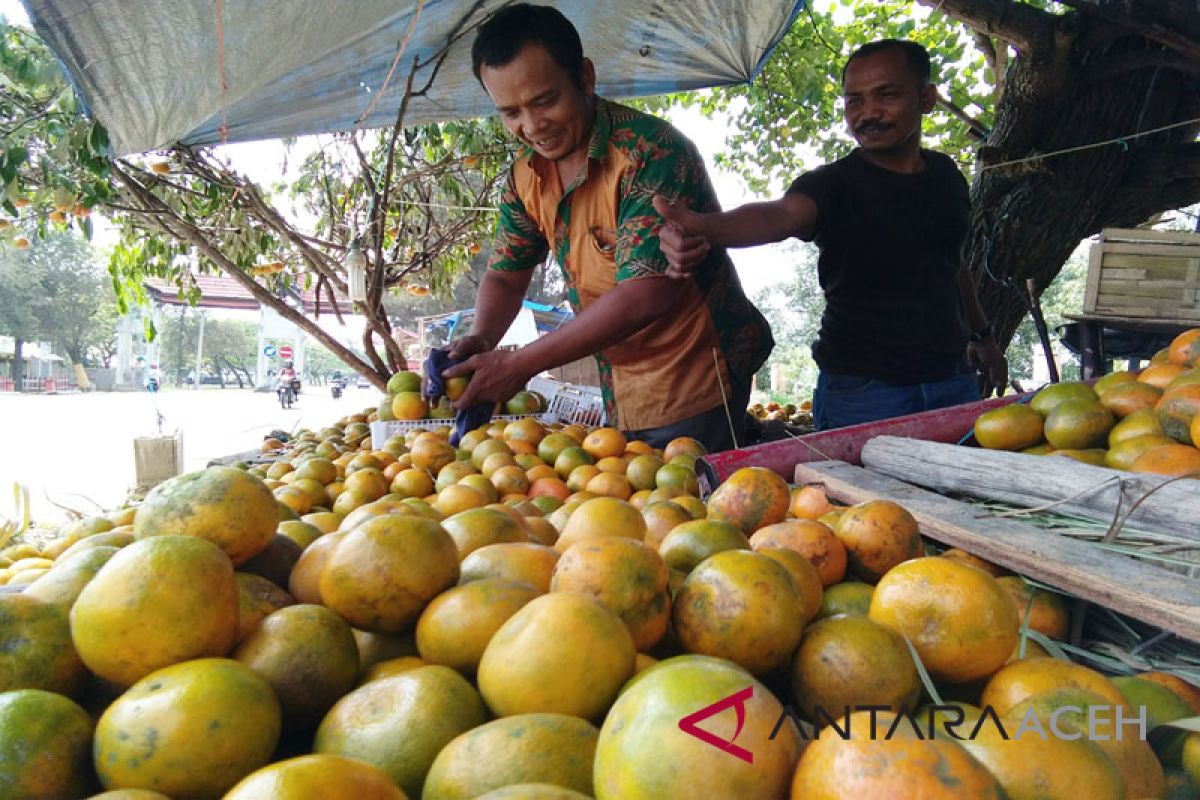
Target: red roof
<point>217,291</point>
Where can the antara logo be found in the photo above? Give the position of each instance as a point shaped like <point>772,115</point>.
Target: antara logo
<point>737,700</point>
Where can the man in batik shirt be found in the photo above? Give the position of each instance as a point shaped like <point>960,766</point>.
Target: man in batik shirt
<point>671,353</point>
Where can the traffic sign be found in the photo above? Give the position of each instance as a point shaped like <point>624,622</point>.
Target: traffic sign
<point>285,352</point>
<point>269,351</point>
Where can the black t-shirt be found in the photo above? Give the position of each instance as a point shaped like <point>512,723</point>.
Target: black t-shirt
<point>890,254</point>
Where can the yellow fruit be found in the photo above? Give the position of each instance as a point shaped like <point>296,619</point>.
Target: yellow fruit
<point>45,746</point>
<point>212,721</point>
<point>456,627</point>
<point>157,602</point>
<point>316,776</point>
<point>399,724</point>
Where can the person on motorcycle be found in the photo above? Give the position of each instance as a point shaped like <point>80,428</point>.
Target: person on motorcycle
<point>286,382</point>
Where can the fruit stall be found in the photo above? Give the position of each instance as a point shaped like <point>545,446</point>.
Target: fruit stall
<point>547,609</point>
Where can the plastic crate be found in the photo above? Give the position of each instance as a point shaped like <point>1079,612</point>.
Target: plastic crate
<point>381,431</point>
<point>574,404</point>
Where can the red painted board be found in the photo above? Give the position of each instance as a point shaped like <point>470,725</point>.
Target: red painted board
<point>947,425</point>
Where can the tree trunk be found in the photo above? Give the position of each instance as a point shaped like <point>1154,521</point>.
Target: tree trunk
<point>18,366</point>
<point>1095,79</point>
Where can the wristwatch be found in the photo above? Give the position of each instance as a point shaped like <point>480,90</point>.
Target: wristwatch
<point>982,334</point>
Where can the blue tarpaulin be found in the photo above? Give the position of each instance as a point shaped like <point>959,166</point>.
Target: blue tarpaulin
<point>156,72</point>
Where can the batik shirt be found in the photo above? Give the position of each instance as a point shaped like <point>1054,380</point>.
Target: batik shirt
<point>602,230</point>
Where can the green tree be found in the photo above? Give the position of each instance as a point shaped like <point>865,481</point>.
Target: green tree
<point>228,349</point>
<point>1112,84</point>
<point>407,198</point>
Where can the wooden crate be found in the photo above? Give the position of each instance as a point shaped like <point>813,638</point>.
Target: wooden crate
<point>1144,274</point>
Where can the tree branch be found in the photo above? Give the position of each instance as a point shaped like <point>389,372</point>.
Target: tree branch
<point>1024,27</point>
<point>976,128</point>
<point>1141,59</point>
<point>1173,23</point>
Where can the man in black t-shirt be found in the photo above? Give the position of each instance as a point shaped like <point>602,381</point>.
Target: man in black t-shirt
<point>902,330</point>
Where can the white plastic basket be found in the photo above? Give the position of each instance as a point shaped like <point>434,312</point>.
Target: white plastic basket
<point>576,404</point>
<point>381,430</point>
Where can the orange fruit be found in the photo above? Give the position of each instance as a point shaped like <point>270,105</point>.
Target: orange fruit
<point>212,722</point>
<point>1160,375</point>
<point>45,745</point>
<point>813,540</point>
<point>308,656</point>
<point>159,601</point>
<point>809,502</point>
<point>412,482</point>
<point>1126,398</point>
<point>683,445</point>
<point>409,406</point>
<point>318,775</point>
<point>1173,460</point>
<point>878,535</point>
<point>511,480</point>
<point>1023,679</point>
<point>229,507</point>
<point>962,623</point>
<point>867,763</point>
<point>641,471</point>
<point>963,557</point>
<point>554,749</point>
<point>478,527</point>
<point>66,579</point>
<point>431,453</point>
<point>1050,396</point>
<point>807,579</point>
<point>384,572</point>
<point>399,724</point>
<point>304,582</point>
<point>1143,422</point>
<point>393,666</point>
<point>690,543</point>
<point>848,597</point>
<point>750,498</point>
<point>577,481</point>
<point>367,482</point>
<point>601,516</point>
<point>486,448</point>
<point>626,575</point>
<point>456,626</point>
<point>1111,380</point>
<point>495,461</point>
<point>1030,766</point>
<point>677,478</point>
<point>604,442</point>
<point>1176,409</point>
<point>534,661</point>
<point>1185,348</point>
<point>527,430</point>
<point>661,518</point>
<point>609,484</point>
<point>741,606</point>
<point>459,497</point>
<point>1015,426</point>
<point>1185,690</point>
<point>1049,615</point>
<point>1078,424</point>
<point>257,598</point>
<point>643,754</point>
<point>851,661</point>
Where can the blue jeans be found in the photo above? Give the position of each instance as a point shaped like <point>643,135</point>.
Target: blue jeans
<point>842,400</point>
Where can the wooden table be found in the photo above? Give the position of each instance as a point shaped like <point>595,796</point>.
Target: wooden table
<point>1092,358</point>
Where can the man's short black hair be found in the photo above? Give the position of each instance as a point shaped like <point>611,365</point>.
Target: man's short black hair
<point>506,33</point>
<point>916,56</point>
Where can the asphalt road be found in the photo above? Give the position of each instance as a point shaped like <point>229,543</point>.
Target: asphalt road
<point>76,450</point>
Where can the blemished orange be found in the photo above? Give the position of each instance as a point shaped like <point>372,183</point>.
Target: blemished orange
<point>661,518</point>
<point>317,775</point>
<point>878,535</point>
<point>1023,679</point>
<point>962,623</point>
<point>1172,460</point>
<point>813,540</point>
<point>741,606</point>
<point>866,764</point>
<point>159,601</point>
<point>45,745</point>
<point>1161,374</point>
<point>601,516</point>
<point>683,445</point>
<point>852,661</point>
<point>381,575</point>
<point>752,497</point>
<point>963,557</point>
<point>1048,615</point>
<point>212,722</point>
<point>627,575</point>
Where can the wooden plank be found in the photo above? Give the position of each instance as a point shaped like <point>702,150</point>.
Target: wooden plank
<point>1031,481</point>
<point>1147,235</point>
<point>1167,290</point>
<point>1186,251</point>
<point>1142,591</point>
<point>1169,266</point>
<point>1092,289</point>
<point>1122,274</point>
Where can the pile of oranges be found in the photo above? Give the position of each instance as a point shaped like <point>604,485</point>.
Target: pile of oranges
<point>536,613</point>
<point>1148,421</point>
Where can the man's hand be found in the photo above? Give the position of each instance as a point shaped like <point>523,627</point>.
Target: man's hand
<point>681,238</point>
<point>991,366</point>
<point>468,346</point>
<point>495,377</point>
